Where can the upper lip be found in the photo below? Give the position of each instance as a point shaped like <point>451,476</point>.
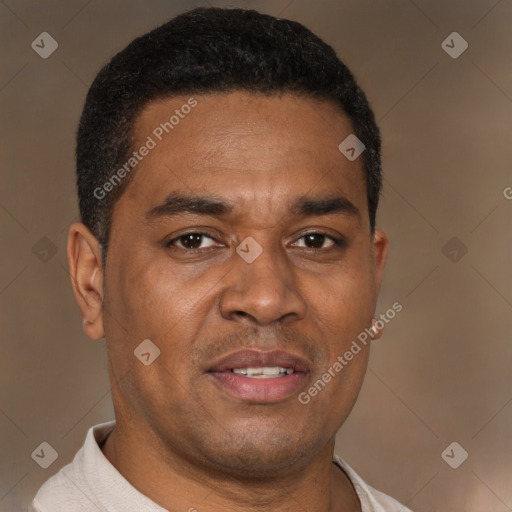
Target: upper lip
<point>256,359</point>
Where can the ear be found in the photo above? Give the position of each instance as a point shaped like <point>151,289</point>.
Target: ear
<point>84,259</point>
<point>380,244</point>
<point>380,254</point>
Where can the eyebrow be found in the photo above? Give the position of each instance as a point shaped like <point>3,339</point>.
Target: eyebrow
<point>176,204</point>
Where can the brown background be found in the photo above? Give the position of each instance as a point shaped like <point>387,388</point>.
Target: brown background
<point>441,372</point>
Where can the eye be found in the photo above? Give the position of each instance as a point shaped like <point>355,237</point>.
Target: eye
<point>199,240</point>
<point>316,240</point>
<point>191,241</point>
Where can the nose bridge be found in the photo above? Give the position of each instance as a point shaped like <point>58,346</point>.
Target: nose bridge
<point>262,284</point>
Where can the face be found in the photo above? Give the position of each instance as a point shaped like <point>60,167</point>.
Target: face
<point>244,227</point>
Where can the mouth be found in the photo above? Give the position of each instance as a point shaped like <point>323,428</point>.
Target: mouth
<point>262,377</point>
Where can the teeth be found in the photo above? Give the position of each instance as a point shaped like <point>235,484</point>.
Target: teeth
<point>265,372</point>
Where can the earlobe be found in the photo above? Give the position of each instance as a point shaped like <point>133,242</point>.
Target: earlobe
<point>84,259</point>
<point>375,329</point>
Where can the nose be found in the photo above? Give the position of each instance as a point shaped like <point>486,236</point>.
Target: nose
<point>262,292</point>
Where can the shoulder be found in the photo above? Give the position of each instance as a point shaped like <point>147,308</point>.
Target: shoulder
<point>371,499</point>
<point>62,492</point>
<point>69,489</point>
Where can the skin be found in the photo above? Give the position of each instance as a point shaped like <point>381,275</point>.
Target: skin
<point>179,438</point>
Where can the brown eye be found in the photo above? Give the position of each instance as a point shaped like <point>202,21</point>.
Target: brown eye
<point>191,241</point>
<point>317,241</point>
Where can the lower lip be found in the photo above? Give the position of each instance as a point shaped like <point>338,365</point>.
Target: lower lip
<point>259,390</point>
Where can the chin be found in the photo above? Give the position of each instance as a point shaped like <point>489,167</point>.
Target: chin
<point>254,455</point>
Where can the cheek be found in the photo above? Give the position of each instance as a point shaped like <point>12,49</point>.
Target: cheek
<point>345,299</point>
<point>166,306</point>
<point>149,304</point>
<point>143,287</point>
<point>343,309</point>
<point>170,295</point>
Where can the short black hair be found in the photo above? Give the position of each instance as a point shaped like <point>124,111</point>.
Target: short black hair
<point>208,50</point>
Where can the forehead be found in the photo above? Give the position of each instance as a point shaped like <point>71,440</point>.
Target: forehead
<point>250,147</point>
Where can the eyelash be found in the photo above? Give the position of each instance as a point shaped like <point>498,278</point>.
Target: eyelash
<point>339,242</point>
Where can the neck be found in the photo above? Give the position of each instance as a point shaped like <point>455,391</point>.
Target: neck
<point>178,484</point>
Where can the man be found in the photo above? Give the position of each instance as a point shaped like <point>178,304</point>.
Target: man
<point>228,179</point>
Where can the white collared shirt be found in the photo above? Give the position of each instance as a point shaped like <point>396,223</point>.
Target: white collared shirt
<point>90,483</point>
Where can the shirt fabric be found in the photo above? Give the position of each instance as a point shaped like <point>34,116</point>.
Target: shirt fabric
<point>90,483</point>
